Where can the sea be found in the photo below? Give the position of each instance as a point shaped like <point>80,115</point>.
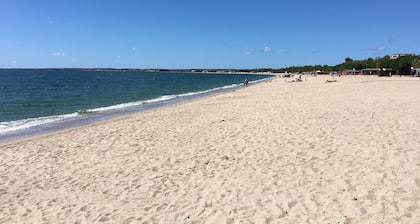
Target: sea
<point>38,101</point>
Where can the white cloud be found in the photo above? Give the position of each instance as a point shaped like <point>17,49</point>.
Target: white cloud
<point>134,49</point>
<point>248,53</point>
<point>267,49</point>
<point>58,54</point>
<point>380,48</point>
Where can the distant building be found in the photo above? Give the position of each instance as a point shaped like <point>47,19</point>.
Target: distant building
<point>395,56</point>
<point>378,71</point>
<point>351,72</point>
<point>415,72</point>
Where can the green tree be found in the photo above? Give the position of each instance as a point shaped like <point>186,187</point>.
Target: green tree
<point>348,60</point>
<point>416,63</point>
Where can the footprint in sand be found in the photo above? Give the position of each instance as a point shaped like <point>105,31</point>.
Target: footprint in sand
<point>417,180</point>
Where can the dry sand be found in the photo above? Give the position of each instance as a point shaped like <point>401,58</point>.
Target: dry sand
<point>276,152</point>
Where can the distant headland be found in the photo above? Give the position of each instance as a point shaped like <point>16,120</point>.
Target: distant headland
<point>396,64</point>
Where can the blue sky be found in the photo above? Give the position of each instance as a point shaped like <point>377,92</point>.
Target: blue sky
<point>203,33</point>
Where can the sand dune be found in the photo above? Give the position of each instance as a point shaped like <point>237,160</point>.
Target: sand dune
<point>276,152</point>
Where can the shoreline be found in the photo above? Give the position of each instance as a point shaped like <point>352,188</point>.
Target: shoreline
<point>275,152</point>
<point>94,117</point>
<point>103,118</point>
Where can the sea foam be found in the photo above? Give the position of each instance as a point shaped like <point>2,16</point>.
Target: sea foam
<point>10,126</point>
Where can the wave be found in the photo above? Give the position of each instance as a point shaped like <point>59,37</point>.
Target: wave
<point>160,99</point>
<point>10,126</point>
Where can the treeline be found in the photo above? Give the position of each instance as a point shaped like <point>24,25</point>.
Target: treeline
<point>401,65</point>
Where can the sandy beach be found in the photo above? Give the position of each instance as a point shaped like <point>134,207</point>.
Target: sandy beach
<point>275,152</point>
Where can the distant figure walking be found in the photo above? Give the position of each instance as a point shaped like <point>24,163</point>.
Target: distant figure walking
<point>246,82</point>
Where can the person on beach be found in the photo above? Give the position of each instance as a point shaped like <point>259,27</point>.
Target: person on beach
<point>333,76</point>
<point>246,82</point>
<point>299,79</point>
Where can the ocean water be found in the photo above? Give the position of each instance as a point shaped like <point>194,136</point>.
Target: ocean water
<point>35,100</point>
